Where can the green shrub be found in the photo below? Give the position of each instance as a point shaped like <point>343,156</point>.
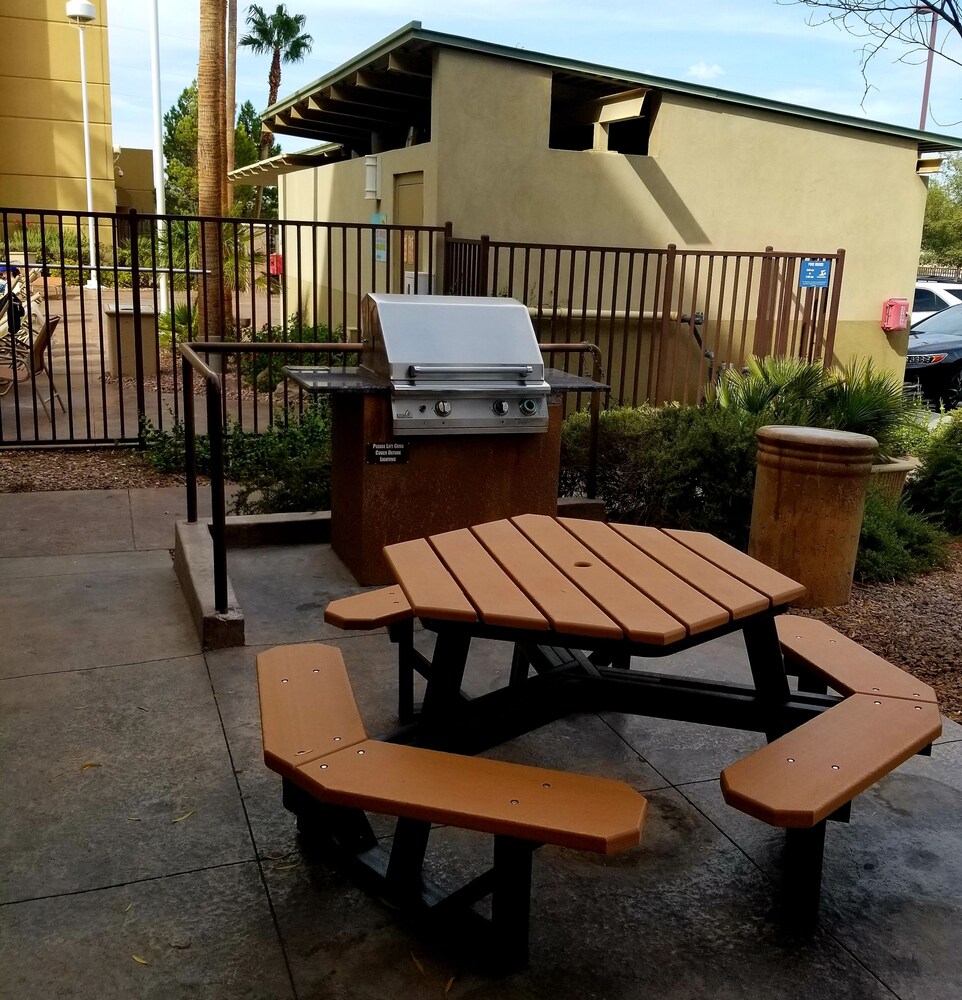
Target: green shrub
<point>895,543</point>
<point>264,370</point>
<point>285,468</point>
<point>673,466</point>
<point>936,487</point>
<point>858,398</point>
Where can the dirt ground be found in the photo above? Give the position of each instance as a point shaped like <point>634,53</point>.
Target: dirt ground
<point>914,625</point>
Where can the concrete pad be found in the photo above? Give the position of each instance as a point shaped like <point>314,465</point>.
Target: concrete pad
<point>77,620</point>
<point>96,768</point>
<point>682,916</point>
<point>154,512</point>
<point>194,567</point>
<point>65,523</point>
<point>891,876</point>
<point>92,564</point>
<point>206,934</point>
<point>284,590</point>
<point>372,663</point>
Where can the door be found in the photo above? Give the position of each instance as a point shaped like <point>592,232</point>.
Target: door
<point>407,250</point>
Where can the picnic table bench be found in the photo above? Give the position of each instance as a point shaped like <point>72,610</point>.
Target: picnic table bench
<point>578,600</point>
<point>315,739</point>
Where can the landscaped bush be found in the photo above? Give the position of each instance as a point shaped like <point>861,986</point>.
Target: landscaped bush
<point>936,487</point>
<point>671,466</point>
<point>895,543</point>
<point>264,370</point>
<point>285,468</point>
<point>858,398</point>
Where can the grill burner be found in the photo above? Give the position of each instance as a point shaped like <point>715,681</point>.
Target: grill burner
<point>456,364</point>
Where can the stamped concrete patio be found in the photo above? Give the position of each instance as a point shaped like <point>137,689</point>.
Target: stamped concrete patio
<point>145,851</point>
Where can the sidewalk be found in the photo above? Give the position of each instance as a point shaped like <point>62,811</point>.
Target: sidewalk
<point>140,820</point>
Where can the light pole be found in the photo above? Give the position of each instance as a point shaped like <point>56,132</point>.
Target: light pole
<point>81,13</point>
<point>159,199</point>
<point>933,32</point>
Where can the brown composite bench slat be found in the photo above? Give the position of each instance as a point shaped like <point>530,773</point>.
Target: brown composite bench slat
<point>307,705</point>
<point>498,600</point>
<point>430,588</point>
<point>372,609</point>
<point>842,663</point>
<point>778,588</point>
<point>641,618</point>
<point>691,607</point>
<point>565,606</point>
<point>474,793</point>
<point>307,701</point>
<point>805,775</point>
<point>736,597</point>
<point>306,696</point>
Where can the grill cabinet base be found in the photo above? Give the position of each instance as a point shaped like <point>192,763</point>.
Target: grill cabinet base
<point>449,481</point>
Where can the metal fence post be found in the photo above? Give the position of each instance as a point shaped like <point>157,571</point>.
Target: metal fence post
<point>218,514</point>
<point>133,230</point>
<point>190,444</point>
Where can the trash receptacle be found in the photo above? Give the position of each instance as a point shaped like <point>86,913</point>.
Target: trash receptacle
<point>119,327</point>
<point>807,512</point>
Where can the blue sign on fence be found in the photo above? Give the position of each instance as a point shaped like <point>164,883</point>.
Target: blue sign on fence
<point>814,273</point>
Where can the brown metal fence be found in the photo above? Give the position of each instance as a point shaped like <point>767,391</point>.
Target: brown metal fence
<point>666,321</point>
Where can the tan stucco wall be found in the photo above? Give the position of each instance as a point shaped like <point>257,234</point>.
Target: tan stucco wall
<point>134,171</point>
<point>719,177</point>
<point>336,193</point>
<point>41,117</point>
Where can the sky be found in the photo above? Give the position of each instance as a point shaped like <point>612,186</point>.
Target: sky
<point>758,47</point>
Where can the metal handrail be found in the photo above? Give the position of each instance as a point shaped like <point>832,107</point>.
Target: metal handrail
<point>191,361</point>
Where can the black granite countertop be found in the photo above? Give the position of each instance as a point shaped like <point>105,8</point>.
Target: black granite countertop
<point>327,380</point>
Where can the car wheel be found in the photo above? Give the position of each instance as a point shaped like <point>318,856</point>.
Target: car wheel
<point>952,396</point>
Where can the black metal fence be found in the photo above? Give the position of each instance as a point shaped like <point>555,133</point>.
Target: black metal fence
<point>665,321</point>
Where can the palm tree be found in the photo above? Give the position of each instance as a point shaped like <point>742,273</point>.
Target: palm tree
<point>281,34</point>
<point>211,159</point>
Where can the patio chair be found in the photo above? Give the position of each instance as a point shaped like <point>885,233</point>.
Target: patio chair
<point>25,362</point>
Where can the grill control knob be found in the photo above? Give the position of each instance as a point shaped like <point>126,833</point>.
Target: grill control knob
<point>500,407</point>
<point>442,408</point>
<point>529,407</point>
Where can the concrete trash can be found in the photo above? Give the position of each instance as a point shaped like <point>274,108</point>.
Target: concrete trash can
<point>119,327</point>
<point>807,512</point>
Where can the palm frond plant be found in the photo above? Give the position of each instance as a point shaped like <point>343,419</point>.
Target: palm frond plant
<point>786,390</point>
<point>861,398</point>
<point>178,249</point>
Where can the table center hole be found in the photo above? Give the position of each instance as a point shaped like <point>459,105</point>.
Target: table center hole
<point>581,564</point>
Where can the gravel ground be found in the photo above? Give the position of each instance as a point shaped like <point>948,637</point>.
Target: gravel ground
<point>914,625</point>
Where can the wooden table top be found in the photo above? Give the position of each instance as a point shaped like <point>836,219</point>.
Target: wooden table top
<point>607,581</point>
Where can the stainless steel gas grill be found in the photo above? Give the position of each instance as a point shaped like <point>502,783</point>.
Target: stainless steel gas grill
<point>449,420</point>
<point>456,364</point>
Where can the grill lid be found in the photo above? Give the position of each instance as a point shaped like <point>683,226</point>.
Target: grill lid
<point>456,364</point>
<point>450,338</point>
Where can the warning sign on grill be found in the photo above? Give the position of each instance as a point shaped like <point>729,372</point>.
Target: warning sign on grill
<point>388,453</point>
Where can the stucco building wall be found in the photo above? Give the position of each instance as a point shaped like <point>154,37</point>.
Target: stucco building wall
<point>718,176</point>
<point>41,116</point>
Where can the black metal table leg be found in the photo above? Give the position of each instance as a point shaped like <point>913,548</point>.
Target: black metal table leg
<point>511,901</point>
<point>768,667</point>
<point>802,875</point>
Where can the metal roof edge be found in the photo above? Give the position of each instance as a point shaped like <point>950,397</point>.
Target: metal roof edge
<point>383,47</point>
<point>930,141</point>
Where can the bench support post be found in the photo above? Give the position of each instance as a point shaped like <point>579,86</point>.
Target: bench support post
<point>768,669</point>
<point>511,900</point>
<point>802,883</point>
<point>407,859</point>
<point>349,828</point>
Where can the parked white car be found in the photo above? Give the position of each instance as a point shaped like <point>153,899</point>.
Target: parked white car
<point>931,296</point>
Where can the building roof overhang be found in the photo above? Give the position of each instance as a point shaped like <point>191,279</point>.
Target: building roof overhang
<point>382,97</point>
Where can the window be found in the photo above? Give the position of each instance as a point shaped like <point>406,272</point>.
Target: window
<point>592,114</point>
<point>925,301</point>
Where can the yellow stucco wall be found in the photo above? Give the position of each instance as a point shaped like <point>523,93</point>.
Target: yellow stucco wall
<point>42,153</point>
<point>719,177</point>
<point>134,173</point>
